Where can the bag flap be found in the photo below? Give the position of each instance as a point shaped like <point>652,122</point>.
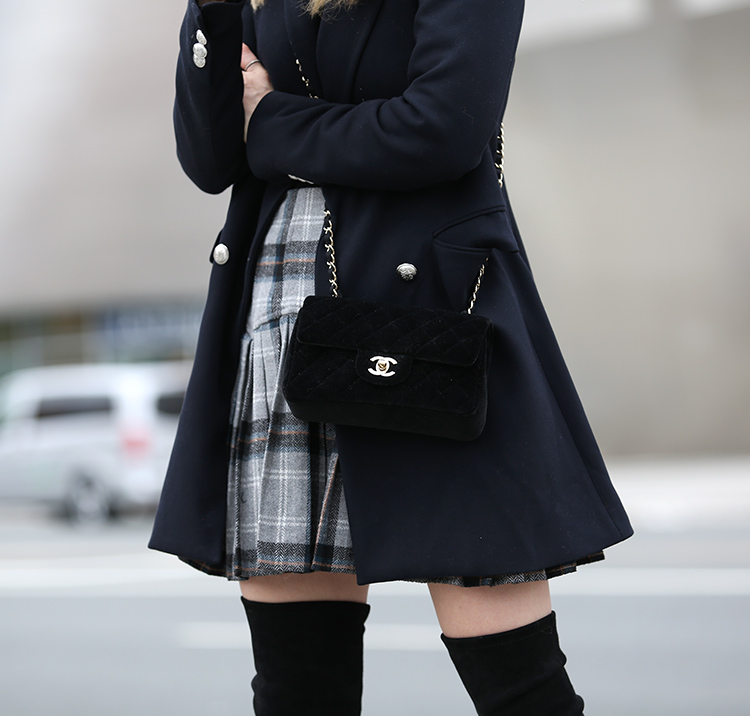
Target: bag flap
<point>425,334</point>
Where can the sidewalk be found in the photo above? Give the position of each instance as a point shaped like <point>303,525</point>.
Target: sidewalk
<point>675,495</point>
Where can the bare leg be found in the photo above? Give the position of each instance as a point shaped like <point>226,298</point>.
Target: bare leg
<point>312,587</point>
<point>474,611</point>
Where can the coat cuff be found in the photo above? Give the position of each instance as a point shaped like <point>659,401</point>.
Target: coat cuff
<point>262,134</point>
<point>212,35</point>
<point>217,18</point>
<point>215,14</point>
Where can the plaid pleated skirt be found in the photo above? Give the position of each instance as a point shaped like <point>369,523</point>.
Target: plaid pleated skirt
<point>286,507</point>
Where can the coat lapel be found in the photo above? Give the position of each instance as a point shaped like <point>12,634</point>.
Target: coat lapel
<point>303,33</point>
<point>336,47</point>
<point>341,40</point>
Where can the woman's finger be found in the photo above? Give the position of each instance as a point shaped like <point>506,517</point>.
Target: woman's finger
<point>256,82</point>
<point>247,57</point>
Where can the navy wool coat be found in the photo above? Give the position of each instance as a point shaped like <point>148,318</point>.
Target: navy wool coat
<point>402,141</point>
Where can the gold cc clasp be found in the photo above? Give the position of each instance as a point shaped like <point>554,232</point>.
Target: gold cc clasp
<point>383,366</point>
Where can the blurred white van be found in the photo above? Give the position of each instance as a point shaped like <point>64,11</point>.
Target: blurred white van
<point>92,439</point>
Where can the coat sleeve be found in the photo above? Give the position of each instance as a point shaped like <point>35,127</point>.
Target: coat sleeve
<point>208,113</point>
<point>437,130</point>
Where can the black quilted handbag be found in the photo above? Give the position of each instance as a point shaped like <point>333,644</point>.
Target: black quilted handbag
<point>377,365</point>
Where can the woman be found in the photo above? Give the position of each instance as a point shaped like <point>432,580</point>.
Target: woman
<point>387,113</point>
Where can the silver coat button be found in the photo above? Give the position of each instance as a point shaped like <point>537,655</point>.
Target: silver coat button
<point>199,61</point>
<point>407,271</point>
<point>221,254</point>
<point>199,50</point>
<point>201,37</point>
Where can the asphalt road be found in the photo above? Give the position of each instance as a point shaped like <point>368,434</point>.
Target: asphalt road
<point>91,623</point>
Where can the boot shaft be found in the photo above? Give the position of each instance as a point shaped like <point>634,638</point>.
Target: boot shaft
<point>520,672</point>
<point>308,657</point>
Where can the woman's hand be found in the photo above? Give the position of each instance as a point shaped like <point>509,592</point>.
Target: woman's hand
<point>257,83</point>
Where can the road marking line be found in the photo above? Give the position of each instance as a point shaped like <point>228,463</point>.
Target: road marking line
<point>44,580</point>
<point>25,578</point>
<point>378,637</point>
<point>403,637</point>
<point>627,581</point>
<point>656,582</point>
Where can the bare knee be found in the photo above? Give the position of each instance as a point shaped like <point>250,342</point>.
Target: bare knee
<point>312,587</point>
<point>474,611</point>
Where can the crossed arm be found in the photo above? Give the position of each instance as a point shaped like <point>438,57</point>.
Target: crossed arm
<point>435,131</point>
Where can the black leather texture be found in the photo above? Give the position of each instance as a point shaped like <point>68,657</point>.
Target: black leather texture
<point>378,365</point>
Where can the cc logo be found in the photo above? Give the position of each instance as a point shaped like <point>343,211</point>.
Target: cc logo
<point>383,366</point>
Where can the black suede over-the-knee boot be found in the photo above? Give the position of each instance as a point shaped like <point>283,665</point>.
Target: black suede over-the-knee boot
<point>308,657</point>
<point>516,673</point>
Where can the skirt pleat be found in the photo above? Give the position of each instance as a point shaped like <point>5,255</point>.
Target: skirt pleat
<point>286,509</point>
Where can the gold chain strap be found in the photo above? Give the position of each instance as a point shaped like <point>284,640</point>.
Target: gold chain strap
<point>331,263</point>
<point>500,163</point>
<point>476,288</point>
<point>304,79</point>
<point>328,222</point>
<point>333,275</point>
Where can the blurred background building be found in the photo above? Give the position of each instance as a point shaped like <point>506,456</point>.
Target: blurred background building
<point>627,159</point>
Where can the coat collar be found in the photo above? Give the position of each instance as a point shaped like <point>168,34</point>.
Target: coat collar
<point>336,46</point>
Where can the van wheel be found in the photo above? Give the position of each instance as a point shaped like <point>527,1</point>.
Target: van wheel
<point>87,502</point>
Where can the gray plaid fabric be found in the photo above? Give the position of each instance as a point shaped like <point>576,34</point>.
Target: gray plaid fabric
<point>286,510</point>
